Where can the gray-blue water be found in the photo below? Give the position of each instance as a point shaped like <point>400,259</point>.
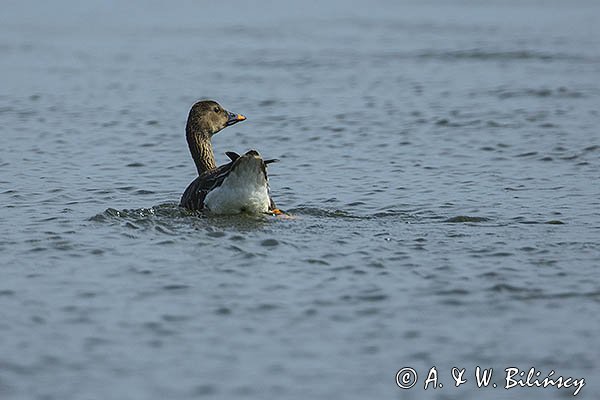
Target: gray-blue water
<point>441,161</point>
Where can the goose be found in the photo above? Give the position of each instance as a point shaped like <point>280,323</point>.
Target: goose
<point>239,186</point>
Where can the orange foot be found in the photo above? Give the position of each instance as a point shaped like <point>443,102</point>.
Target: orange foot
<point>281,214</point>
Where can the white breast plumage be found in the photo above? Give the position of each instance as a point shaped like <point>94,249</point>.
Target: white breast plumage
<point>244,189</point>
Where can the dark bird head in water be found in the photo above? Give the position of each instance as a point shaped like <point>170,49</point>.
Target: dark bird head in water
<point>207,117</point>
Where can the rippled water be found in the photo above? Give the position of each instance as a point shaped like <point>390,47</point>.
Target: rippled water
<point>439,160</point>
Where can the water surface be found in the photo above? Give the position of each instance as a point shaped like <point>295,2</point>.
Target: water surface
<point>440,161</point>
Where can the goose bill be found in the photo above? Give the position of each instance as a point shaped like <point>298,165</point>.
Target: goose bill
<point>234,118</point>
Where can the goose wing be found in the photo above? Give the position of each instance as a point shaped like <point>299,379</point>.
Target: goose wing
<point>193,197</point>
<point>195,193</point>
